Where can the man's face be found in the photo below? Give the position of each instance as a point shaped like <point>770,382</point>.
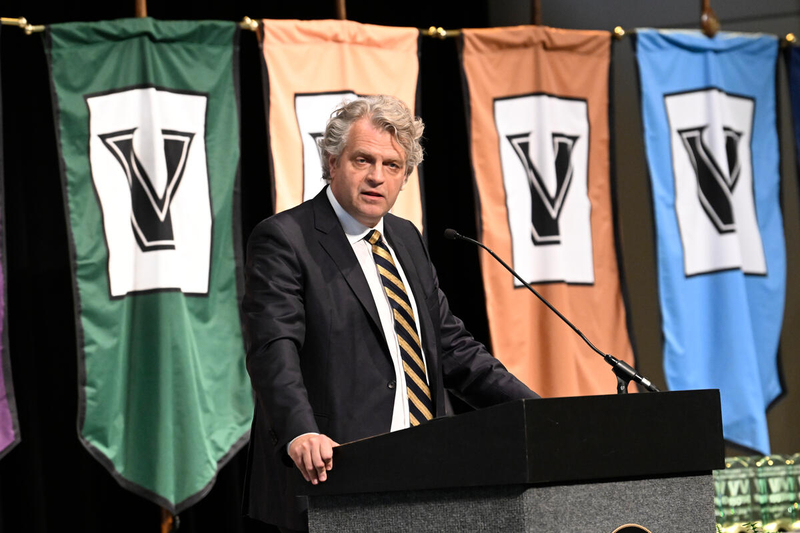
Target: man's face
<point>369,174</point>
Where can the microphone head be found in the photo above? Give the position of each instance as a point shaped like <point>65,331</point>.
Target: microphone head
<point>451,234</point>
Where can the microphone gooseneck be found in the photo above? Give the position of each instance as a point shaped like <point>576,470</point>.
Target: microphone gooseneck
<point>624,372</point>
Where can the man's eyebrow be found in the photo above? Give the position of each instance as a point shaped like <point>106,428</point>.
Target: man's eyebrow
<point>398,159</point>
<point>368,155</point>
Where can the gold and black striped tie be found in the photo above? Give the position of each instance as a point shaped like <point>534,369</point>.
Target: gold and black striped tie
<point>420,406</point>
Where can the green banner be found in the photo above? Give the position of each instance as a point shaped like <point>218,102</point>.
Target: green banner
<point>147,121</point>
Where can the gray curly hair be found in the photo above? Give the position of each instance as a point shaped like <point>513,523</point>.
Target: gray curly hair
<point>385,112</point>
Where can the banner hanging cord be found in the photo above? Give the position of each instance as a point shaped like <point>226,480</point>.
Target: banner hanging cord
<point>437,32</point>
<point>246,24</point>
<point>787,40</point>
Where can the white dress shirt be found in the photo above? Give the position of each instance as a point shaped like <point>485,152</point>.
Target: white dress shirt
<point>356,234</point>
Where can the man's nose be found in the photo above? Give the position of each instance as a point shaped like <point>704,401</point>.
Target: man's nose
<point>376,173</point>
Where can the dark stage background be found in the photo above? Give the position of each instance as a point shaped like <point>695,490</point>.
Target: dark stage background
<point>49,482</point>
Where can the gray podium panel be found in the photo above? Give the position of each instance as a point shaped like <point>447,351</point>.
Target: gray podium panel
<point>660,505</point>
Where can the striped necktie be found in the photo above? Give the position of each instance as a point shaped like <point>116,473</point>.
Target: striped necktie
<point>420,406</point>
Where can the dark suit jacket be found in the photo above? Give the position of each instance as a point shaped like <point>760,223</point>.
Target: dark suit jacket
<point>317,356</point>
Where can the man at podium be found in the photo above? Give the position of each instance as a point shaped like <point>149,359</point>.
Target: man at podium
<point>348,333</point>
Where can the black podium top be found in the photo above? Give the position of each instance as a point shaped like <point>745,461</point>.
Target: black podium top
<point>547,441</point>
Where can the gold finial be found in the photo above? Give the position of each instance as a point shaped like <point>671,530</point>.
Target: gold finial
<point>438,32</point>
<point>619,32</point>
<point>248,24</point>
<point>21,23</point>
<point>790,38</point>
<point>709,23</point>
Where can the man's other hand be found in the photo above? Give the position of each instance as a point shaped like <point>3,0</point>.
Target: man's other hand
<point>313,455</point>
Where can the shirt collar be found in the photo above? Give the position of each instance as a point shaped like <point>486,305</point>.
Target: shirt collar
<point>353,229</point>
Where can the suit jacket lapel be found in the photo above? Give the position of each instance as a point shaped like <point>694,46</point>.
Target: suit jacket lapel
<point>332,238</point>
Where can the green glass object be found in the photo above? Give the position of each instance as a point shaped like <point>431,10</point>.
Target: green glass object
<point>776,492</point>
<point>735,503</point>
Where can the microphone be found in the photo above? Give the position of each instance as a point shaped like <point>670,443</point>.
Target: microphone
<point>624,372</point>
<point>452,234</point>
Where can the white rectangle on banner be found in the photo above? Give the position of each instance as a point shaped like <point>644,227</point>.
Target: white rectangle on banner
<point>711,134</point>
<point>148,162</point>
<point>544,153</point>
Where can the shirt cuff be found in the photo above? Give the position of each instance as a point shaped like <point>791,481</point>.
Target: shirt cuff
<point>297,437</point>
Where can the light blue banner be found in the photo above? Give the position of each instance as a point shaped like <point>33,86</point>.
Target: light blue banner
<point>708,106</point>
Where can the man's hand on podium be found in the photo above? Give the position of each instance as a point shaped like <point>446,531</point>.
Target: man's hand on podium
<point>313,455</point>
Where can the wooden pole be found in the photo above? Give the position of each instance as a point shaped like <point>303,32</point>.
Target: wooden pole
<point>141,8</point>
<point>341,10</point>
<point>167,521</point>
<point>709,23</point>
<point>536,12</point>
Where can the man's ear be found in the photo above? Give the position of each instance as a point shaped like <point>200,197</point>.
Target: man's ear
<point>332,162</point>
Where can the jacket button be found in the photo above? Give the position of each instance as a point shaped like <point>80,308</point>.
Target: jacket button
<point>392,384</point>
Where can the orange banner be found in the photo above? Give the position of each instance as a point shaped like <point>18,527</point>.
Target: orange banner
<point>313,66</point>
<point>538,115</point>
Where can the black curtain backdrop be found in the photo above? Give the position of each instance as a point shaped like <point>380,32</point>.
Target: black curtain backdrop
<point>49,482</point>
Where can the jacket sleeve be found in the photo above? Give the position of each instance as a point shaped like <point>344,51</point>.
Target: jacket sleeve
<point>274,319</point>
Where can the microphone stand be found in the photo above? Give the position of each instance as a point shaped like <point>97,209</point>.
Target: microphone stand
<point>624,372</point>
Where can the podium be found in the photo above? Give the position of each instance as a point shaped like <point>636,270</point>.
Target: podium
<point>582,464</point>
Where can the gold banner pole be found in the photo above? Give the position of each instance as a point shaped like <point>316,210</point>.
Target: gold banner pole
<point>21,23</point>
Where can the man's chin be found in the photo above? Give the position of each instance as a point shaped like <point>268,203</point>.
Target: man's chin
<point>370,215</point>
